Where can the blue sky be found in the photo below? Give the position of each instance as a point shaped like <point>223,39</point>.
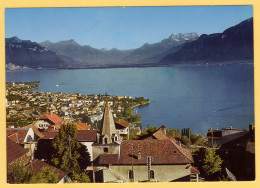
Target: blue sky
<point>119,27</point>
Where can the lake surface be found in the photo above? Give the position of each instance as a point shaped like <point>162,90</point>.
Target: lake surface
<point>197,97</point>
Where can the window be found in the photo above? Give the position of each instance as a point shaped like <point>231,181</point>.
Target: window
<point>105,150</point>
<point>131,174</point>
<point>105,140</point>
<point>151,174</point>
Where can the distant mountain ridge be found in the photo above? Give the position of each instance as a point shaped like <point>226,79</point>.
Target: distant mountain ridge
<point>86,55</point>
<point>139,55</point>
<point>234,44</point>
<point>25,53</point>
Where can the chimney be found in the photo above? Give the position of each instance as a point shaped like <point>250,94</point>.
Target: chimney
<point>163,129</point>
<point>251,128</point>
<point>139,155</point>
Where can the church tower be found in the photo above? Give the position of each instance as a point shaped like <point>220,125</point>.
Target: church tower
<point>108,131</point>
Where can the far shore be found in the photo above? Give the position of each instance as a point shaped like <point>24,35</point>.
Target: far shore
<point>196,63</point>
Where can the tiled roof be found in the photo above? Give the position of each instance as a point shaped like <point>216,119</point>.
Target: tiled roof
<point>107,159</point>
<point>53,118</point>
<point>14,150</point>
<point>161,151</point>
<point>182,148</point>
<point>122,124</point>
<point>82,126</point>
<point>82,136</point>
<point>36,131</point>
<point>17,134</point>
<point>87,136</point>
<point>37,166</point>
<point>49,134</point>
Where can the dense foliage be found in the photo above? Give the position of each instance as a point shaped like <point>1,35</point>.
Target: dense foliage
<point>69,155</point>
<point>17,174</point>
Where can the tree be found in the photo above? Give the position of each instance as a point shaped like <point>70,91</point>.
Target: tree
<point>80,177</point>
<point>211,162</point>
<point>185,140</point>
<point>69,155</point>
<point>198,140</point>
<point>46,175</point>
<point>17,173</point>
<point>174,133</point>
<point>148,131</point>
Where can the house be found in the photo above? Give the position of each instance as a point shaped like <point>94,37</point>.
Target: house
<point>49,120</point>
<point>82,126</point>
<point>15,152</point>
<point>25,137</point>
<point>44,146</point>
<point>129,164</point>
<point>38,165</point>
<point>87,138</point>
<point>239,156</point>
<point>220,137</point>
<point>123,127</point>
<point>158,157</point>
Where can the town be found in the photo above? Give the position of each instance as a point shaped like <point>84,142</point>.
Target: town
<point>24,106</point>
<point>68,137</point>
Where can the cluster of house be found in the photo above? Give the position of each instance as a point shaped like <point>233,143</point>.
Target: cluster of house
<point>69,106</point>
<point>158,157</point>
<point>237,148</point>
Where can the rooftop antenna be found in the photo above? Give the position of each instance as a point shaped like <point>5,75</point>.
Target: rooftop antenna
<point>217,125</point>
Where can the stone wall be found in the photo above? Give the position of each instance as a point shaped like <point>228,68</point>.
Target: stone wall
<point>99,149</point>
<point>162,173</point>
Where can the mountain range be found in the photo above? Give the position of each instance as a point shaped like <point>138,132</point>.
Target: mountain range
<point>234,44</point>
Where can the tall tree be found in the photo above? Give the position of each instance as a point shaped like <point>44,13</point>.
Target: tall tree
<point>69,155</point>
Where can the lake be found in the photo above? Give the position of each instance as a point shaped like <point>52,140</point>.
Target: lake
<point>188,96</point>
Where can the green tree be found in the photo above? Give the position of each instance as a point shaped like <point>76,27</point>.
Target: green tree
<point>46,175</point>
<point>211,163</point>
<point>16,173</point>
<point>80,177</point>
<point>69,155</point>
<point>148,131</point>
<point>198,140</point>
<point>185,140</point>
<point>174,133</point>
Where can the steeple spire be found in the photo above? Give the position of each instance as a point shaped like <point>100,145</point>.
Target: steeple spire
<point>108,125</point>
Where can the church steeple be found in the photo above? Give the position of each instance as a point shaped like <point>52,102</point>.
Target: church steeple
<point>108,129</point>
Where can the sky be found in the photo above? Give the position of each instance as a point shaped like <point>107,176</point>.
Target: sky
<point>119,27</point>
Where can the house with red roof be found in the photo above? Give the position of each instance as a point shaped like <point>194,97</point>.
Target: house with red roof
<point>157,158</point>
<point>82,126</point>
<point>15,152</point>
<point>123,127</point>
<point>25,137</point>
<point>167,162</point>
<point>49,121</point>
<point>87,138</point>
<point>38,165</point>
